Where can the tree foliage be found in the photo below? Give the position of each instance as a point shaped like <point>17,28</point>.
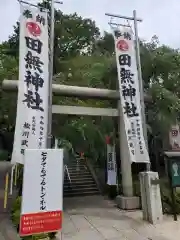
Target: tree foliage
<point>83,57</point>
<point>73,35</point>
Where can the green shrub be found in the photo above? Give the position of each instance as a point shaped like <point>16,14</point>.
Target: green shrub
<point>20,180</point>
<point>167,199</point>
<point>3,155</point>
<point>16,211</point>
<point>37,237</point>
<point>52,235</point>
<point>16,204</point>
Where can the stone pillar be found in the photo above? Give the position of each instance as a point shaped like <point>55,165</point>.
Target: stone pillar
<point>127,183</point>
<point>127,201</point>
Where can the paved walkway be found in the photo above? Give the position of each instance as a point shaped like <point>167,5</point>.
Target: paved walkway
<point>7,231</point>
<point>93,218</point>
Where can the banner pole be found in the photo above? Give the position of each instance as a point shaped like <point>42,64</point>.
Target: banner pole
<point>51,55</point>
<point>12,178</point>
<point>141,87</point>
<point>16,175</point>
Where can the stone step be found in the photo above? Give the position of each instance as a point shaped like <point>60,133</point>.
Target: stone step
<point>76,172</point>
<point>75,176</point>
<point>80,174</point>
<point>80,187</point>
<point>80,184</point>
<point>80,190</point>
<point>82,180</point>
<point>68,188</point>
<point>77,167</point>
<point>87,193</point>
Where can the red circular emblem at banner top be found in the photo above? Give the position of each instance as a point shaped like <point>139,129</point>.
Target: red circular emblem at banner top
<point>108,140</point>
<point>33,28</point>
<point>122,45</point>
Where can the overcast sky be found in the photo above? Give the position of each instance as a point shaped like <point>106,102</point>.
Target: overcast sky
<point>160,17</point>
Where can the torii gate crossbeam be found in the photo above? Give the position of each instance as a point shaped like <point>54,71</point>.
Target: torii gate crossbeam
<point>74,91</point>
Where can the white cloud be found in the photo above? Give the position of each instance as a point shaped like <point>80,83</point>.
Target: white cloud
<point>160,17</point>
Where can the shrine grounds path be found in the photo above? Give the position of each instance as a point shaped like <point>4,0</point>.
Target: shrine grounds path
<point>96,218</point>
<point>7,230</point>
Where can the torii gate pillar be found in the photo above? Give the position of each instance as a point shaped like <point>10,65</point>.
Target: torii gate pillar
<point>127,200</point>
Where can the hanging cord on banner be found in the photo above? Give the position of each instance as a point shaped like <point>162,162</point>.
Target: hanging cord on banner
<point>125,24</point>
<point>33,5</point>
<point>116,26</point>
<point>129,25</point>
<point>111,23</point>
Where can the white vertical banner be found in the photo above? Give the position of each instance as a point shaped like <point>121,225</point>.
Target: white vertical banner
<point>174,138</point>
<point>32,103</point>
<point>129,93</point>
<point>111,165</point>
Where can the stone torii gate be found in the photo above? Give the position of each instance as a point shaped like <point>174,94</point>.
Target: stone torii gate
<point>127,200</point>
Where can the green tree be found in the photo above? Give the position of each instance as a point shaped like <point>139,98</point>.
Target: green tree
<point>82,57</point>
<point>85,133</point>
<point>105,44</point>
<point>160,68</point>
<point>74,35</point>
<point>8,70</point>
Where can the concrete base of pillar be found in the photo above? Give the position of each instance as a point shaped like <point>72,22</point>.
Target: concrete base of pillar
<point>128,203</point>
